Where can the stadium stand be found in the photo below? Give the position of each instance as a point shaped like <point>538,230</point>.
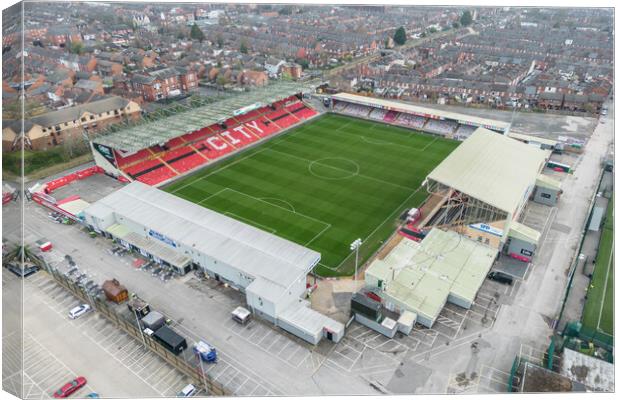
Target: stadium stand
<point>412,121</point>
<point>390,116</point>
<point>159,163</point>
<point>441,127</point>
<point>377,114</point>
<point>464,131</point>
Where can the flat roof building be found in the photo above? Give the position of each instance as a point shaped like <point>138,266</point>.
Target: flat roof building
<point>421,277</point>
<point>170,230</point>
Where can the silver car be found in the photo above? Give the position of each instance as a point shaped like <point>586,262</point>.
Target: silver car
<point>78,311</point>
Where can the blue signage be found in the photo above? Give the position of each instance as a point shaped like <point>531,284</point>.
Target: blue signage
<point>162,238</point>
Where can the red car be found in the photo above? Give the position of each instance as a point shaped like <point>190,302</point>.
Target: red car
<point>70,387</point>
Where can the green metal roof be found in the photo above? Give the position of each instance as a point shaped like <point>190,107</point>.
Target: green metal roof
<point>522,232</point>
<point>548,182</point>
<point>148,134</point>
<point>423,275</point>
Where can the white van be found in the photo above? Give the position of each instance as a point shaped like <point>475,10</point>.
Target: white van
<point>241,315</point>
<point>187,391</point>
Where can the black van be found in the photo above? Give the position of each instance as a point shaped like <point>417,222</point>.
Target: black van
<point>171,340</point>
<point>501,277</point>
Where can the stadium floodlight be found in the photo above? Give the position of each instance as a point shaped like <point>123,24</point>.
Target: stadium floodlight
<point>355,246</point>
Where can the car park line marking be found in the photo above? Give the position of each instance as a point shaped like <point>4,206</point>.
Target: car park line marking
<point>221,372</point>
<point>30,337</point>
<point>241,384</point>
<point>112,331</point>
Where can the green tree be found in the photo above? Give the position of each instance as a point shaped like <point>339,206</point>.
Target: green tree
<point>243,47</point>
<point>220,40</point>
<point>466,18</point>
<point>76,47</point>
<point>196,33</point>
<point>400,36</point>
<point>303,62</point>
<point>456,25</point>
<point>432,30</point>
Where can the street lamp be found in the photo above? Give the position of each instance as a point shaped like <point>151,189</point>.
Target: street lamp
<point>355,246</point>
<point>135,313</point>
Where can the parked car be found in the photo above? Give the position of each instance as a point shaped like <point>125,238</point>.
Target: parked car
<point>187,391</point>
<point>500,277</point>
<point>78,311</point>
<point>93,395</point>
<point>241,315</point>
<point>70,387</point>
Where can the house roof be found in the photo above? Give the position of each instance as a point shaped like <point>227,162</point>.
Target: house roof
<point>74,113</point>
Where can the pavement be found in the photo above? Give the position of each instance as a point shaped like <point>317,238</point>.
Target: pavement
<point>467,351</point>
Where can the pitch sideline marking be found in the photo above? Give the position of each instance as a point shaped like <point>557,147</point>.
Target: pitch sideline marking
<point>600,312</point>
<point>378,226</point>
<point>218,170</point>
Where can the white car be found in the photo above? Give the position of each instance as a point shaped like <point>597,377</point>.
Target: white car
<point>78,311</point>
<point>187,391</point>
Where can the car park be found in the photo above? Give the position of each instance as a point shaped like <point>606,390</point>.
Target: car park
<point>70,387</point>
<point>78,311</point>
<point>501,277</point>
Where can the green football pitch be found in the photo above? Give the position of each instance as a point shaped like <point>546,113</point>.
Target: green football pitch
<point>598,313</point>
<point>323,185</point>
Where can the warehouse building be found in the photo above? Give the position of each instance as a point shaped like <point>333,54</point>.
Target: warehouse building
<point>421,277</point>
<point>172,231</point>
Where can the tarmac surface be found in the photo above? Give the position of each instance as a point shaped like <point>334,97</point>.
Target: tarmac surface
<point>467,351</point>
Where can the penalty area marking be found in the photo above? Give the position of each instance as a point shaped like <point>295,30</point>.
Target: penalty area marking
<point>293,211</point>
<point>277,199</point>
<point>378,142</point>
<point>250,222</point>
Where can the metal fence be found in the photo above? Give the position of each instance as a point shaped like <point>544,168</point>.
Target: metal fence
<point>212,387</point>
<point>597,337</point>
